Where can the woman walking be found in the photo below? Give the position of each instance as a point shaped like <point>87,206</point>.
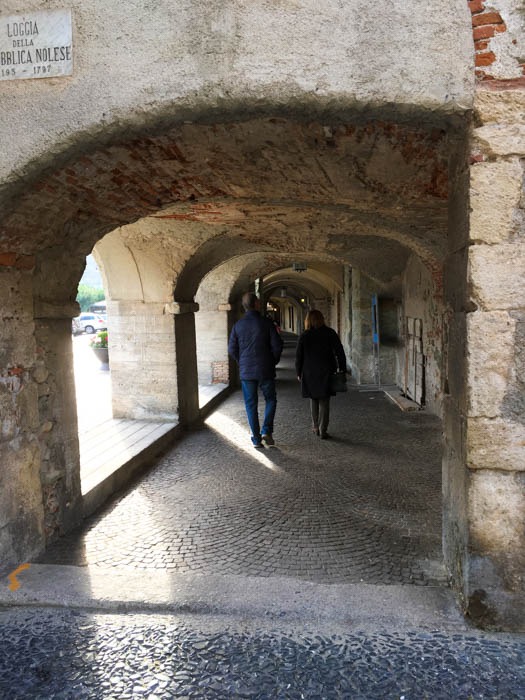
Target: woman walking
<point>319,355</point>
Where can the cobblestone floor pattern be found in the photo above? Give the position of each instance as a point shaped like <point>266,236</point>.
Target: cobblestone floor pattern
<point>364,506</point>
<point>66,654</point>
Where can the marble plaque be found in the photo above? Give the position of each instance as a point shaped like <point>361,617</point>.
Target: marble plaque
<point>36,45</point>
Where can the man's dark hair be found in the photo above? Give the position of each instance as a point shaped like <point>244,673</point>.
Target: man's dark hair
<point>249,301</point>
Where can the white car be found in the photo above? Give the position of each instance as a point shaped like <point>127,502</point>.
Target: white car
<point>90,323</point>
<point>76,328</point>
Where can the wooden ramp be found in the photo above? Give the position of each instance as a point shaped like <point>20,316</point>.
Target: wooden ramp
<point>113,451</point>
<point>403,402</point>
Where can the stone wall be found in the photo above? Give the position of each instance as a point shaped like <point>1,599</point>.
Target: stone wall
<point>143,361</point>
<point>346,314</point>
<point>21,504</point>
<point>495,361</point>
<point>363,369</point>
<point>242,129</point>
<point>182,55</point>
<point>455,518</point>
<point>422,301</point>
<point>58,433</point>
<point>211,329</point>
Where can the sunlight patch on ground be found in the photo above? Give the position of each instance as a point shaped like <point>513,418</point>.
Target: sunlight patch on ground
<point>240,437</point>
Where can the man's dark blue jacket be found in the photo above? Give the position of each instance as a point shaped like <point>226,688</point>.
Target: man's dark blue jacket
<point>256,346</point>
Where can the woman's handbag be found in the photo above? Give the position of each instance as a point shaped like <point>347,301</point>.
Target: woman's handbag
<point>338,382</point>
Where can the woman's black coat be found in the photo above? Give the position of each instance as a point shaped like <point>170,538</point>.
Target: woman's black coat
<point>319,354</point>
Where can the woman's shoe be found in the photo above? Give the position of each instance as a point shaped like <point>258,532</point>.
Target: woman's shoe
<point>324,436</point>
<point>315,431</point>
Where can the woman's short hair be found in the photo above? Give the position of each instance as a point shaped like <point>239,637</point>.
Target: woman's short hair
<point>314,319</point>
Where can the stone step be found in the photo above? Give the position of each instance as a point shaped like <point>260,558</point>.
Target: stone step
<point>135,590</point>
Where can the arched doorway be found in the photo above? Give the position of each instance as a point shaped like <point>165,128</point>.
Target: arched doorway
<point>371,170</point>
<point>178,250</point>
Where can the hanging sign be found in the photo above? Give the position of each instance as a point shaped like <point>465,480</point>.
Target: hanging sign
<point>36,45</point>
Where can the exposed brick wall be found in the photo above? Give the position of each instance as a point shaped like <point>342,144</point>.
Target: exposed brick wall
<point>19,262</point>
<point>219,372</point>
<point>486,24</point>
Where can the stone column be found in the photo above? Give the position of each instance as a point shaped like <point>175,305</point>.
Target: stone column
<point>495,364</point>
<point>233,368</point>
<point>21,502</point>
<point>346,313</point>
<point>186,352</point>
<point>455,524</point>
<point>142,361</point>
<point>362,355</point>
<point>58,430</point>
<point>212,344</point>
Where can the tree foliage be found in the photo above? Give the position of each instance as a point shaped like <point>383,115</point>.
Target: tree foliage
<point>88,295</point>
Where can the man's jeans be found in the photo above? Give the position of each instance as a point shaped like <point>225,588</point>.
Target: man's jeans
<point>250,393</point>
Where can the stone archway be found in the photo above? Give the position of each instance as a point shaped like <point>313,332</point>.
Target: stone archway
<point>155,261</point>
<point>235,145</point>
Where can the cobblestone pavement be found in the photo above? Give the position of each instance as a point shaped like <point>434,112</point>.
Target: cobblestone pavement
<point>50,654</point>
<point>364,506</point>
<point>314,519</point>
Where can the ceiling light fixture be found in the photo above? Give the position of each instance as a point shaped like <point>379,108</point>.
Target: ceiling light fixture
<point>299,267</point>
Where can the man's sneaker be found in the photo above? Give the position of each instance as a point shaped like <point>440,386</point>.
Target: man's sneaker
<point>268,439</point>
<point>258,445</point>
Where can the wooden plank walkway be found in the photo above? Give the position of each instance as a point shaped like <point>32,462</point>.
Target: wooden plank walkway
<point>112,444</point>
<point>116,450</point>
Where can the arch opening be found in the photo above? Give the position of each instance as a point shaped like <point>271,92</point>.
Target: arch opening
<point>360,232</point>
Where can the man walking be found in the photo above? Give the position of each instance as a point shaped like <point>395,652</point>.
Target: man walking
<point>256,346</point>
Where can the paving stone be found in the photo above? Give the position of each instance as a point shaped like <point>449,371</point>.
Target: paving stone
<point>141,656</point>
<point>342,516</point>
<point>364,506</point>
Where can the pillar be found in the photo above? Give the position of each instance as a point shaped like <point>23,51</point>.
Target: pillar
<point>142,359</point>
<point>495,364</point>
<point>21,503</point>
<point>211,326</point>
<point>186,353</point>
<point>362,354</point>
<point>58,428</point>
<point>346,313</point>
<point>455,473</point>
